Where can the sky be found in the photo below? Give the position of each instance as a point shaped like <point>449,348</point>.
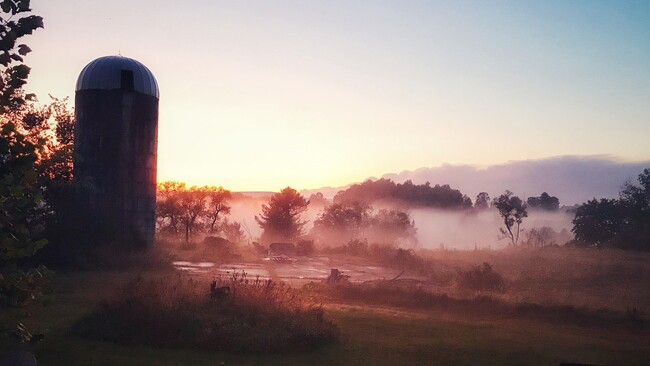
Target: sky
<point>258,95</point>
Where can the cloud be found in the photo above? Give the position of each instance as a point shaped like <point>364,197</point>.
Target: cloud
<point>573,179</point>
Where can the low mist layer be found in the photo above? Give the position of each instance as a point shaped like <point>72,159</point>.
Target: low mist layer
<point>478,228</point>
<point>451,229</point>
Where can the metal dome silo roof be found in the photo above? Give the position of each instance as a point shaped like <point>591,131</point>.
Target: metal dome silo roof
<point>106,73</point>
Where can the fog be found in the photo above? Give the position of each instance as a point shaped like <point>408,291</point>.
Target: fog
<point>246,207</point>
<point>476,228</point>
<point>451,229</point>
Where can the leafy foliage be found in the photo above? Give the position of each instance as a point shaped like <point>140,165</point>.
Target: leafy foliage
<point>389,225</point>
<point>341,223</point>
<point>513,211</point>
<point>622,223</point>
<point>413,195</point>
<point>482,200</point>
<point>188,210</point>
<point>481,278</point>
<point>217,204</point>
<point>597,222</point>
<point>254,316</point>
<point>280,218</point>
<point>544,202</point>
<point>21,197</point>
<point>21,219</point>
<point>15,22</point>
<point>545,236</point>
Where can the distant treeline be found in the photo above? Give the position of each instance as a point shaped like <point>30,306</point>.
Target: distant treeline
<point>414,195</point>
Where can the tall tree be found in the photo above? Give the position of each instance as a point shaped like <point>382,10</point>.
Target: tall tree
<point>544,202</point>
<point>622,223</point>
<point>232,231</point>
<point>217,204</point>
<point>597,222</point>
<point>168,210</point>
<point>513,211</point>
<point>21,200</point>
<point>280,218</point>
<point>193,204</point>
<point>14,24</point>
<point>389,225</point>
<point>341,222</point>
<point>635,204</point>
<point>482,200</point>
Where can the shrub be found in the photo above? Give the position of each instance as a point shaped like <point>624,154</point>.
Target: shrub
<point>480,278</point>
<point>260,249</point>
<point>222,248</point>
<point>305,247</point>
<point>178,312</point>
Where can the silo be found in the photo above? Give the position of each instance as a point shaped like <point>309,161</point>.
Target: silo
<point>116,138</point>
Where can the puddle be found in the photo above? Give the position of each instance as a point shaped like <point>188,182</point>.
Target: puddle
<point>193,267</point>
<point>193,264</point>
<point>298,272</point>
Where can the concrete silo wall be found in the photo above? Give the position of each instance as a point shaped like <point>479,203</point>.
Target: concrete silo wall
<point>116,136</point>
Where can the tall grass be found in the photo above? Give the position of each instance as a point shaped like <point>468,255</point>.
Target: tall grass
<point>583,277</point>
<point>179,312</point>
<point>408,294</point>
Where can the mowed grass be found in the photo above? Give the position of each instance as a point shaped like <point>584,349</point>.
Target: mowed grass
<point>369,336</point>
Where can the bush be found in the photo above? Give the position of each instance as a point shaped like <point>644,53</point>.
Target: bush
<point>305,247</point>
<point>178,312</point>
<point>221,247</point>
<point>481,278</point>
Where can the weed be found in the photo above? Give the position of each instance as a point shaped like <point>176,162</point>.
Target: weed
<point>481,278</point>
<point>178,312</point>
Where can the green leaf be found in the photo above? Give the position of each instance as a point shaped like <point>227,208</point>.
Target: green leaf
<point>6,6</point>
<point>23,5</point>
<point>21,71</point>
<point>28,24</point>
<point>23,49</point>
<point>5,59</point>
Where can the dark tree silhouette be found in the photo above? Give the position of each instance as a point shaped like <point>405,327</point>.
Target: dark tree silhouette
<point>280,218</point>
<point>168,210</point>
<point>544,202</point>
<point>412,195</point>
<point>317,199</point>
<point>596,223</point>
<point>513,211</point>
<point>622,223</point>
<point>217,204</point>
<point>190,210</point>
<point>21,195</point>
<point>193,206</point>
<point>389,225</point>
<point>635,202</point>
<point>340,223</point>
<point>482,200</point>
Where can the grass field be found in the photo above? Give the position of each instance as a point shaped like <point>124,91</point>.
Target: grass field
<point>370,335</point>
